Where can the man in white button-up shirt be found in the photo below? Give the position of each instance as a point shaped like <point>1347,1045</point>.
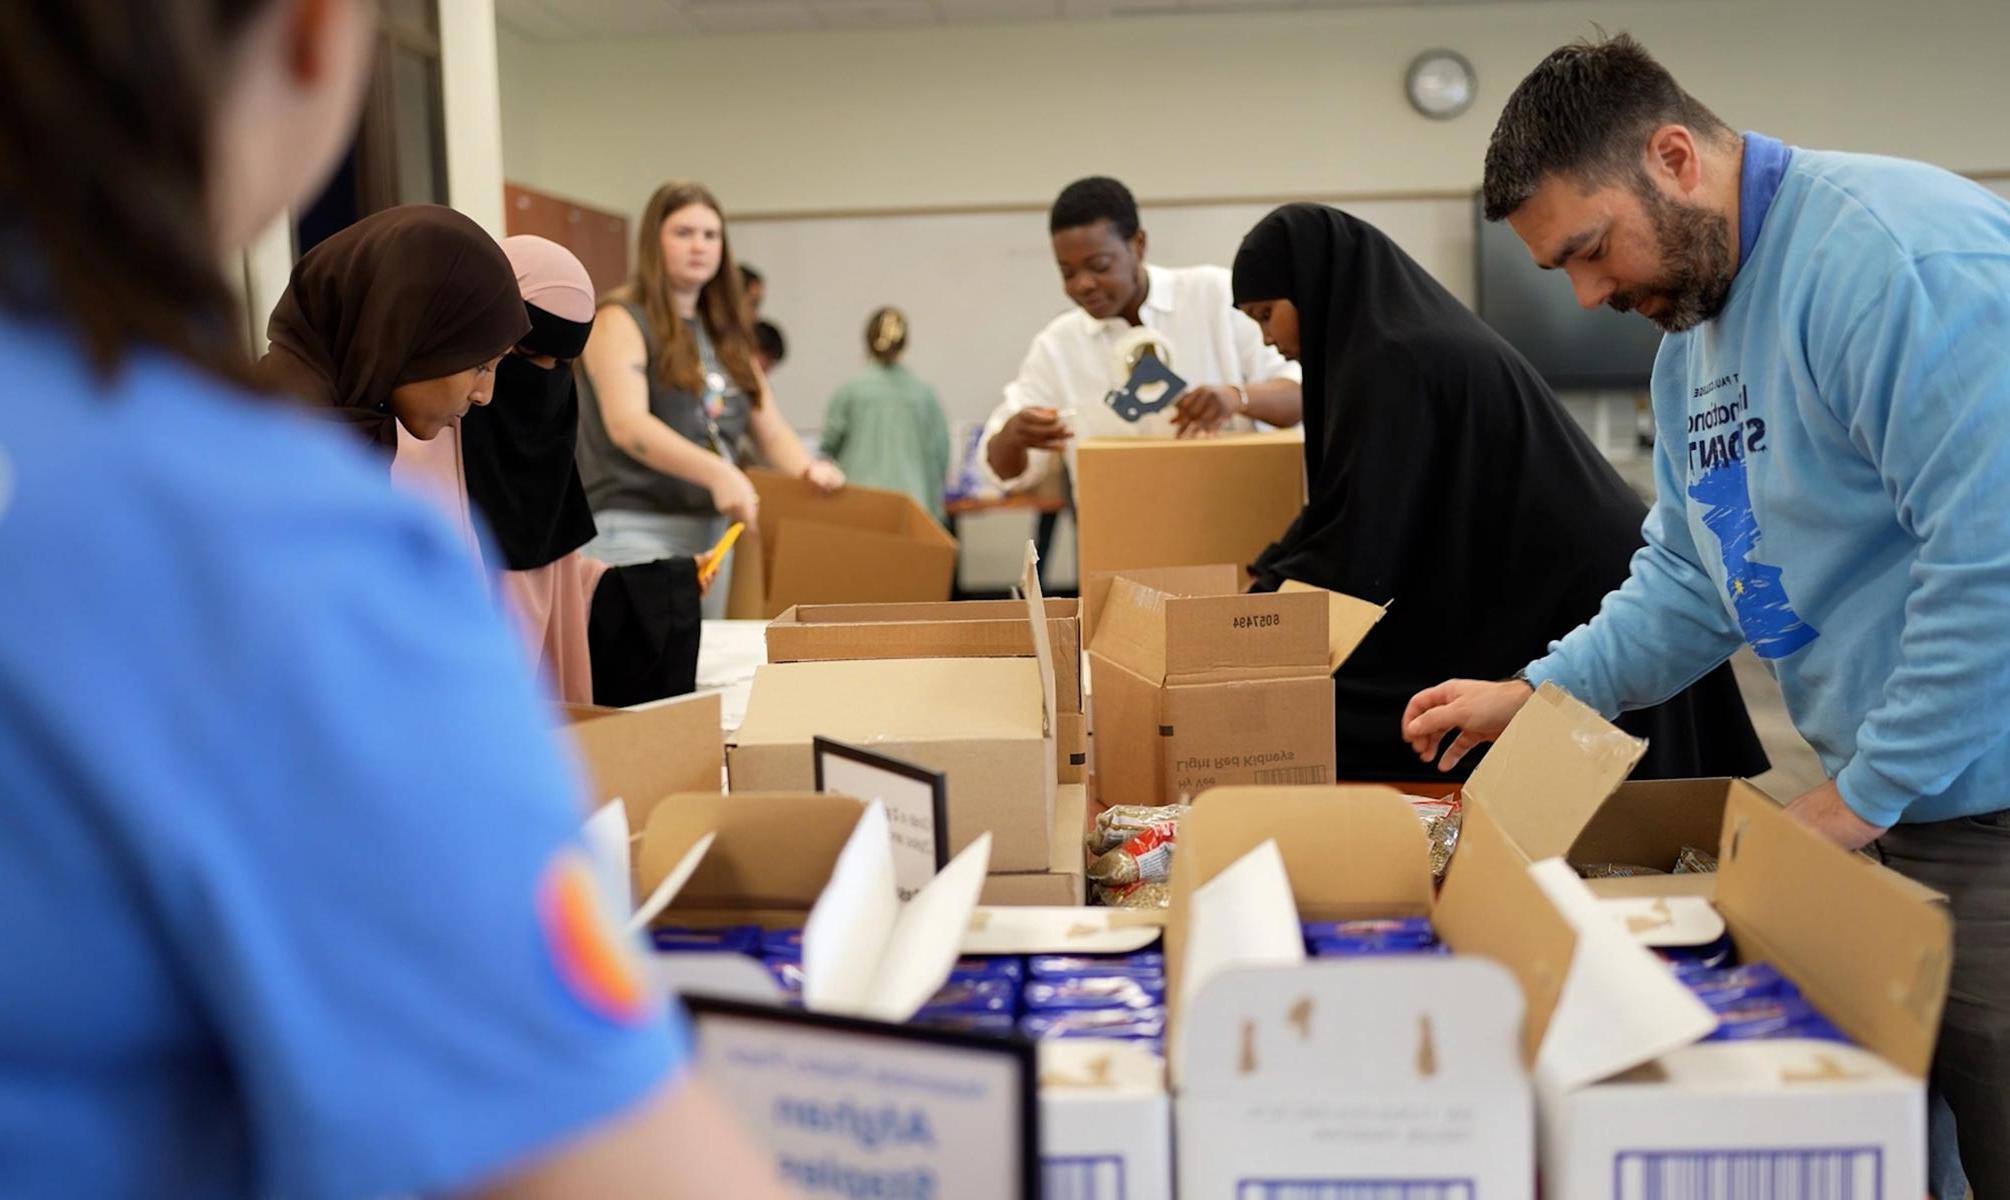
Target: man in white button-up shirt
<point>1073,364</point>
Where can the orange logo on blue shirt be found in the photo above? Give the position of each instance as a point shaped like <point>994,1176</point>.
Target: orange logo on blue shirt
<point>595,960</point>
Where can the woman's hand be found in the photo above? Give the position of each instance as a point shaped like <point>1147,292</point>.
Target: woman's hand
<point>824,476</point>
<point>734,496</point>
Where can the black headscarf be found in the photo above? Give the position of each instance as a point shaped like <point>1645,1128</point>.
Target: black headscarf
<point>1445,478</point>
<point>518,451</point>
<point>410,293</point>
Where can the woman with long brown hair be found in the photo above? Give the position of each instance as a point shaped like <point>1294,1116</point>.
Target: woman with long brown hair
<point>671,390</point>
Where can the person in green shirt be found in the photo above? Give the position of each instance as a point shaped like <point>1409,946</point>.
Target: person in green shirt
<point>885,429</point>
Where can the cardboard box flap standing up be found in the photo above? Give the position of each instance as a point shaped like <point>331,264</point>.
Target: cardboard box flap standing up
<point>1348,621</point>
<point>645,753</point>
<point>1548,774</point>
<point>860,545</point>
<point>1043,646</point>
<point>769,859</point>
<point>985,723</point>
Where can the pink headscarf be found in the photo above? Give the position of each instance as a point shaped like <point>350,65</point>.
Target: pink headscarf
<point>550,277</point>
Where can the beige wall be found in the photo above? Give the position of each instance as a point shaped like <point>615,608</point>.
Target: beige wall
<point>1258,105</point>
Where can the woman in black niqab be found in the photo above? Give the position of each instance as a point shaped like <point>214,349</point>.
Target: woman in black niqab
<point>1444,477</point>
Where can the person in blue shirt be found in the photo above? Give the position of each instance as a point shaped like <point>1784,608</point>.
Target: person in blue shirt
<point>295,903</point>
<point>1832,404</point>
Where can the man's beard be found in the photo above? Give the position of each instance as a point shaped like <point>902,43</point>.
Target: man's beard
<point>1695,247</point>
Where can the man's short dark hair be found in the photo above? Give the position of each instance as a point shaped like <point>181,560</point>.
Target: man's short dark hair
<point>1097,198</point>
<point>769,341</point>
<point>1586,111</point>
<point>748,276</point>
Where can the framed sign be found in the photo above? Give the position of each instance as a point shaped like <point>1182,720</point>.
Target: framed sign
<point>916,800</point>
<point>850,1107</point>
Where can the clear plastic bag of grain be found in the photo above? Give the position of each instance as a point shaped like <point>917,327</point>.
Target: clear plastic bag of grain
<point>1441,819</point>
<point>1119,824</point>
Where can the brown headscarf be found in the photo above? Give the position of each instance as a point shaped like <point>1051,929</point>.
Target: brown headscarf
<point>410,293</point>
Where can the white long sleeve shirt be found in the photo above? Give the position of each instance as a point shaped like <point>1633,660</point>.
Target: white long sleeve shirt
<point>1072,363</point>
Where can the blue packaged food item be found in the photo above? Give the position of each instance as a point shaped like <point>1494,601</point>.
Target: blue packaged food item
<point>1142,1023</point>
<point>1768,1018</point>
<point>1709,955</point>
<point>1000,1024</point>
<point>1093,991</point>
<point>1414,930</point>
<point>1145,964</point>
<point>785,944</point>
<point>1731,987</point>
<point>733,939</point>
<point>974,995</point>
<point>787,974</point>
<point>990,966</point>
<point>1370,947</point>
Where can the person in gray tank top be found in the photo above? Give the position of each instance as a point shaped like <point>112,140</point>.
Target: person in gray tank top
<point>670,396</point>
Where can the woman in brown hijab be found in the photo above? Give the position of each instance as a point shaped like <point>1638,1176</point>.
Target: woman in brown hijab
<point>397,320</point>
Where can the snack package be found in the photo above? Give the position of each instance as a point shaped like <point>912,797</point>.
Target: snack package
<point>1709,956</point>
<point>990,966</point>
<point>1616,871</point>
<point>782,944</point>
<point>997,1024</point>
<point>1370,948</point>
<point>1119,824</point>
<point>1781,1017</point>
<point>1693,861</point>
<point>1145,858</point>
<point>1412,930</point>
<point>1143,1023</point>
<point>1731,987</point>
<point>1441,819</point>
<point>974,995</point>
<point>788,974</point>
<point>1093,991</point>
<point>1144,964</point>
<point>734,939</point>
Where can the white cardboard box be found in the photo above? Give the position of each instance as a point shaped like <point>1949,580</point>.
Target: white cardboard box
<point>1635,1105</point>
<point>1105,1121</point>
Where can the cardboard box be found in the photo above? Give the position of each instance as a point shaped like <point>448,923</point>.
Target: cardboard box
<point>643,754</point>
<point>860,545</point>
<point>1155,502</point>
<point>1062,884</point>
<point>1334,1077</point>
<point>1105,1121</point>
<point>954,629</point>
<point>1208,687</point>
<point>986,723</point>
<point>1630,1099</point>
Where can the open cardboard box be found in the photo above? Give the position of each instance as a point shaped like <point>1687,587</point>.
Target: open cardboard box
<point>952,629</point>
<point>1063,882</point>
<point>860,545</point>
<point>1397,1072</point>
<point>1629,1103</point>
<point>1199,685</point>
<point>988,724</point>
<point>1163,502</point>
<point>639,755</point>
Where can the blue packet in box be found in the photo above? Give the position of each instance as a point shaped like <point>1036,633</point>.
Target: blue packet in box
<point>785,944</point>
<point>1145,964</point>
<point>1144,1023</point>
<point>1778,1017</point>
<point>990,966</point>
<point>1715,954</point>
<point>1093,991</point>
<point>1731,987</point>
<point>974,995</point>
<point>998,1024</point>
<point>787,974</point>
<point>1370,948</point>
<point>734,939</point>
<point>1413,930</point>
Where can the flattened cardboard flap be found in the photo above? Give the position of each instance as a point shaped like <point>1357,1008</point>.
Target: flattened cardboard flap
<point>774,850</point>
<point>1131,629</point>
<point>1348,621</point>
<point>1215,579</point>
<point>1043,647</point>
<point>645,753</point>
<point>1550,771</point>
<point>1869,950</point>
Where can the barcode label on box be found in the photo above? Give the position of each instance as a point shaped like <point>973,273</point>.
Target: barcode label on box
<point>1354,1189</point>
<point>1846,1174</point>
<point>1086,1178</point>
<point>1314,774</point>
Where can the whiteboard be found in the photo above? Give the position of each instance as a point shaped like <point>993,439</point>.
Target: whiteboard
<point>977,286</point>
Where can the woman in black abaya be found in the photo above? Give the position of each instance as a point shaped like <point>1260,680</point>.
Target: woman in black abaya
<point>1444,477</point>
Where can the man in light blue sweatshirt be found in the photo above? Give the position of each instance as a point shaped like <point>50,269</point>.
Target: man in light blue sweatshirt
<point>1833,409</point>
